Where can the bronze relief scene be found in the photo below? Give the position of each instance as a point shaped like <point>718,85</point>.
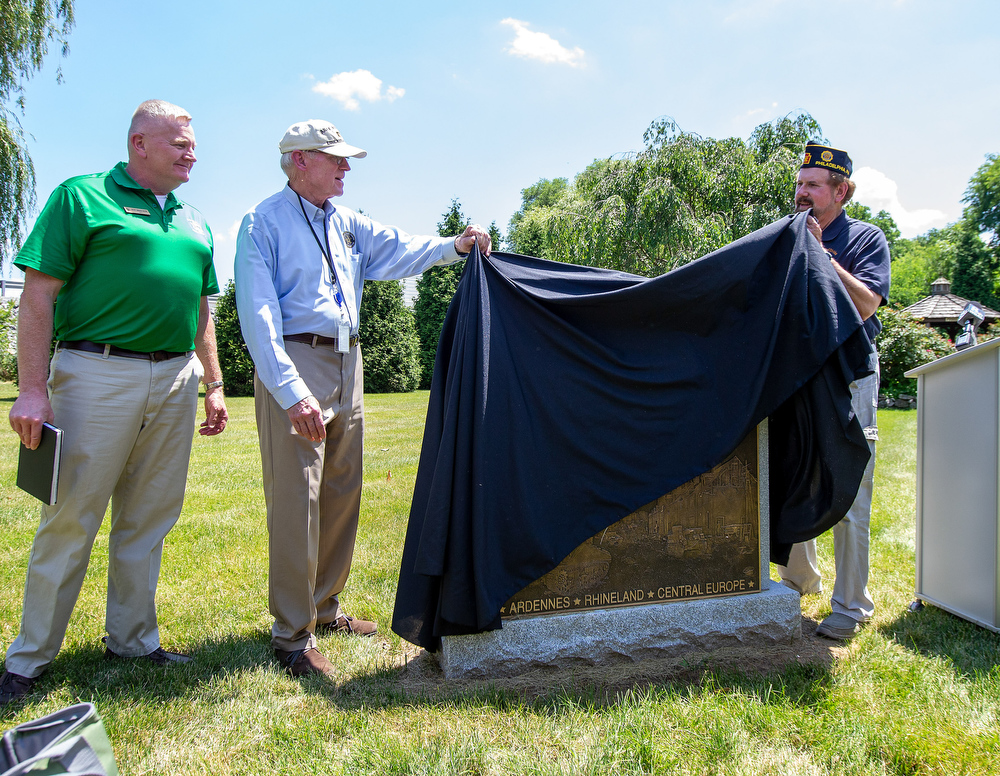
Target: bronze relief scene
<point>701,540</point>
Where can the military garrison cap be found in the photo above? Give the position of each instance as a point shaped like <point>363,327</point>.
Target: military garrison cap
<point>831,158</point>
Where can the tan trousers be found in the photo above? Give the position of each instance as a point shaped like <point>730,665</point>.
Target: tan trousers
<point>128,426</point>
<point>313,493</point>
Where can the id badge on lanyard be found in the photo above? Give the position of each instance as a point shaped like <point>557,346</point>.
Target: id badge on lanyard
<point>344,338</point>
<point>343,328</point>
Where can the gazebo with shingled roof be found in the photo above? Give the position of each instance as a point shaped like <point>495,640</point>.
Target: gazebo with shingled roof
<point>942,309</point>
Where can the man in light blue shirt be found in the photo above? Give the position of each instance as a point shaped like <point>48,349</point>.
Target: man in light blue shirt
<point>301,264</point>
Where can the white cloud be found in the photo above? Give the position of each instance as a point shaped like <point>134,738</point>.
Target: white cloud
<point>881,193</point>
<point>349,88</point>
<point>226,237</point>
<point>753,113</point>
<point>540,46</point>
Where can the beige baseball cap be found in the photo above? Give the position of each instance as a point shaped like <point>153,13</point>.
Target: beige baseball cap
<point>318,135</point>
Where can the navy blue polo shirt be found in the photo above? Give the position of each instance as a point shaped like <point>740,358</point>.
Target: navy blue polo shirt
<point>861,249</point>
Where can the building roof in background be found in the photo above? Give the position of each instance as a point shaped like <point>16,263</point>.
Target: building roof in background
<point>942,306</point>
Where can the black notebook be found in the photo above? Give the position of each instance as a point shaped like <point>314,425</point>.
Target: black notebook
<point>38,469</point>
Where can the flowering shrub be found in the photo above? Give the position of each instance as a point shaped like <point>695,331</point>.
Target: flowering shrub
<point>903,344</point>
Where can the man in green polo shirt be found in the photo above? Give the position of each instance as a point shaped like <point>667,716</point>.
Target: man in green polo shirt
<point>118,271</point>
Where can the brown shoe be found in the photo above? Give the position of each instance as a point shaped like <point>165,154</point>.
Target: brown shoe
<point>347,624</point>
<point>301,662</point>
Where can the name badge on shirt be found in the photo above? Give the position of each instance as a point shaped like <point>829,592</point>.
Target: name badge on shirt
<point>343,338</point>
<point>137,211</point>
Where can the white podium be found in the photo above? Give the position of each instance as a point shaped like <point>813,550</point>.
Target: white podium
<point>958,500</point>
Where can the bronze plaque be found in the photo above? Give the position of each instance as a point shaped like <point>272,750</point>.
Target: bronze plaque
<point>701,540</point>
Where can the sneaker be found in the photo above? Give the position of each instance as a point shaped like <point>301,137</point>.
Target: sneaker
<point>348,624</point>
<point>158,656</point>
<point>302,662</point>
<point>14,686</point>
<point>840,627</point>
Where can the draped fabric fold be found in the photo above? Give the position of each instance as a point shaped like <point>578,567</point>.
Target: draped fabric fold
<point>566,397</point>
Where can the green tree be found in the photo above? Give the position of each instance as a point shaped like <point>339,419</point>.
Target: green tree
<point>983,199</point>
<point>26,29</point>
<point>681,197</point>
<point>234,358</point>
<point>974,271</point>
<point>956,252</point>
<point>525,233</point>
<point>388,339</point>
<point>435,288</point>
<point>496,237</point>
<point>8,336</point>
<point>883,221</point>
<point>915,266</point>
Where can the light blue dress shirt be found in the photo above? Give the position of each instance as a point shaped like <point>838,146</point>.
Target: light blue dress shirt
<point>284,284</point>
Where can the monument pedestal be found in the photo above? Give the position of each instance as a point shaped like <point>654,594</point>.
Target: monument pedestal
<point>598,636</point>
<point>665,570</point>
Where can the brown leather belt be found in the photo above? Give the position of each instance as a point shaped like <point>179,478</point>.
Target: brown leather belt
<point>318,339</point>
<point>111,350</point>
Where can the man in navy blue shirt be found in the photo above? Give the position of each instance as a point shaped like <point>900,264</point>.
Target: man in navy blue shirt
<point>860,255</point>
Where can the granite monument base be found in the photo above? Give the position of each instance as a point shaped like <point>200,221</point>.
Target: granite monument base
<point>687,573</point>
<point>771,616</point>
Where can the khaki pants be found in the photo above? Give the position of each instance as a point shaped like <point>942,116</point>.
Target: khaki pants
<point>313,493</point>
<point>851,535</point>
<point>128,426</point>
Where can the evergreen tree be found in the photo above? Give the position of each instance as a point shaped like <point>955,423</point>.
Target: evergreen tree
<point>983,199</point>
<point>496,238</point>
<point>973,274</point>
<point>388,337</point>
<point>435,288</point>
<point>234,358</point>
<point>26,29</point>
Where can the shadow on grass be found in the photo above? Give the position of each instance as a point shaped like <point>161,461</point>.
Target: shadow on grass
<point>86,674</point>
<point>934,632</point>
<point>799,674</point>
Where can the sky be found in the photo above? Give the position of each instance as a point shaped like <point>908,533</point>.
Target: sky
<point>477,101</point>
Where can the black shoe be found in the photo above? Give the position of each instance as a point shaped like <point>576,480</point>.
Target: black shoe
<point>162,657</point>
<point>158,656</point>
<point>14,686</point>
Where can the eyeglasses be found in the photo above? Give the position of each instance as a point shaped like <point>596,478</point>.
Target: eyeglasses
<point>339,159</point>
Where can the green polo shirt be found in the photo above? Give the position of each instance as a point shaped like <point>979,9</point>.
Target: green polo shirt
<point>134,273</point>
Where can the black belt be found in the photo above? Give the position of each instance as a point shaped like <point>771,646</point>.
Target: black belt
<point>111,350</point>
<point>318,339</point>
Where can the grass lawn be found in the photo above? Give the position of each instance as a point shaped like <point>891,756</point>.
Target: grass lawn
<point>915,693</point>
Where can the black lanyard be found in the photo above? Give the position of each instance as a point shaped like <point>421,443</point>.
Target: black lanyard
<point>328,255</point>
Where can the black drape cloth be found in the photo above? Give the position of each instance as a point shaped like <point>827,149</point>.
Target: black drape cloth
<point>566,397</point>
